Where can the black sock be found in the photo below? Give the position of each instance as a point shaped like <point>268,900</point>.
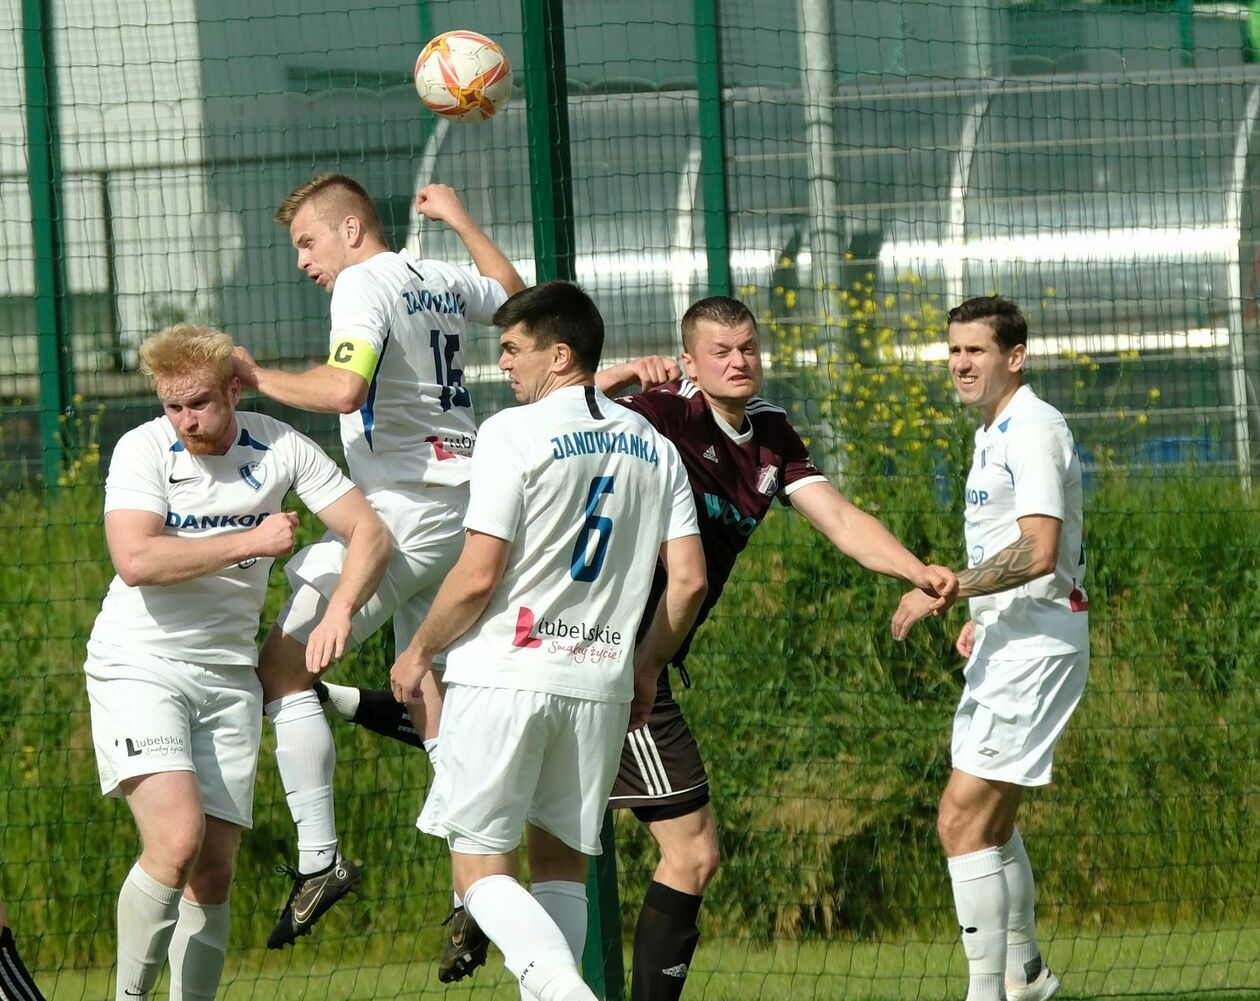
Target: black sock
<point>15,980</point>
<point>664,942</point>
<point>380,713</point>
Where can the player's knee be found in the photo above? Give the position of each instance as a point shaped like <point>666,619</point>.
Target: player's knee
<point>211,880</point>
<point>282,666</point>
<point>176,851</point>
<point>959,830</point>
<point>706,863</point>
<point>946,825</point>
<point>692,863</point>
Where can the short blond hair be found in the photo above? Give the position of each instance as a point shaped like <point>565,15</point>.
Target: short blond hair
<point>187,348</point>
<point>335,196</point>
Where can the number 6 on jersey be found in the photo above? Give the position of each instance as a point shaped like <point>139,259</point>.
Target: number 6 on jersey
<point>580,567</point>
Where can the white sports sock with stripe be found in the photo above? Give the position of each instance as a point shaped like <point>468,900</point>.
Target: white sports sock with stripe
<point>1023,954</point>
<point>198,949</point>
<point>533,948</point>
<point>981,900</point>
<point>147,912</point>
<point>306,758</point>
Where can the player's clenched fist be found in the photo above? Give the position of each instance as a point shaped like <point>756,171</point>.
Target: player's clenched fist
<point>439,202</point>
<point>276,534</point>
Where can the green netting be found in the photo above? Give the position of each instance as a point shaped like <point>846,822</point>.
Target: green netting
<point>882,160</point>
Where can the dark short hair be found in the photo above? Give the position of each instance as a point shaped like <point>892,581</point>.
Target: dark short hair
<point>719,309</point>
<point>1003,316</point>
<point>557,313</point>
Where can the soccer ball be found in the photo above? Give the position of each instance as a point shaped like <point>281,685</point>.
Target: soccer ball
<point>463,76</point>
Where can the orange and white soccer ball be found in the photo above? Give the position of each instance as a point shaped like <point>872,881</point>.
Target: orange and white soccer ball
<point>463,76</point>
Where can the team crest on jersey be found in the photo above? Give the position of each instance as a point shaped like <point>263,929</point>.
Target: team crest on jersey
<point>254,474</point>
<point>768,480</point>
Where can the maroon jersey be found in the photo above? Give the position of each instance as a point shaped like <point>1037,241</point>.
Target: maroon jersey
<point>735,475</point>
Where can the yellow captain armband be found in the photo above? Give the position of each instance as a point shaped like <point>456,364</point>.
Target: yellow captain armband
<point>358,357</point>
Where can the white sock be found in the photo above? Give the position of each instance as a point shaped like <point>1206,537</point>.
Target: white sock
<point>982,900</point>
<point>306,757</point>
<point>1023,956</point>
<point>565,903</point>
<point>431,749</point>
<point>147,912</point>
<point>198,949</point>
<point>533,948</point>
<point>344,700</point>
<point>456,900</point>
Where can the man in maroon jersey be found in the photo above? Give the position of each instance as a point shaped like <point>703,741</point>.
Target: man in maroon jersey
<point>740,453</point>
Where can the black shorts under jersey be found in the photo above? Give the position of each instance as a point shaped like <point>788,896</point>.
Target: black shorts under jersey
<point>662,774</point>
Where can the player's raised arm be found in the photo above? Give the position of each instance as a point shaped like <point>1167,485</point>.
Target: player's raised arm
<point>331,388</point>
<point>440,202</point>
<point>861,537</point>
<point>646,373</point>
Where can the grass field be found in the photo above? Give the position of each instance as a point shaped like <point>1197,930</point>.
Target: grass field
<point>1221,965</point>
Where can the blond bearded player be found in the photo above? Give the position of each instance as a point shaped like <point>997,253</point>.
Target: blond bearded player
<point>395,374</point>
<point>193,520</point>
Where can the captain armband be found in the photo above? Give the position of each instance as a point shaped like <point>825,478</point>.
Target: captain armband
<point>358,357</point>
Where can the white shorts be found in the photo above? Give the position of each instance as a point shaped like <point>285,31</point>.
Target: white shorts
<point>153,714</point>
<point>1012,714</point>
<point>509,757</point>
<point>428,531</point>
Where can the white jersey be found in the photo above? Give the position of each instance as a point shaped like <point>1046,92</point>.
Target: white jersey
<point>586,492</point>
<point>1026,464</point>
<point>211,619</point>
<point>401,323</point>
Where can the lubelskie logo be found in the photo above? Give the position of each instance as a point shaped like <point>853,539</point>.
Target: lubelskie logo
<point>530,629</point>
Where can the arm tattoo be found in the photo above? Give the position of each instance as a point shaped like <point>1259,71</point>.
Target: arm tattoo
<point>1004,570</point>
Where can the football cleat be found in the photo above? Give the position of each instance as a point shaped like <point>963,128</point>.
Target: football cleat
<point>1045,986</point>
<point>310,899</point>
<point>466,947</point>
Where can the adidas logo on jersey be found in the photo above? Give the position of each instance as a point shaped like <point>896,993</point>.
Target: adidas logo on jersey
<point>710,453</point>
<point>679,971</point>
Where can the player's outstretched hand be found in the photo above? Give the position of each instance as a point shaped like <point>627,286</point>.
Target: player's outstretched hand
<point>406,674</point>
<point>966,641</point>
<point>244,367</point>
<point>328,640</point>
<point>440,203</point>
<point>275,534</point>
<point>915,605</point>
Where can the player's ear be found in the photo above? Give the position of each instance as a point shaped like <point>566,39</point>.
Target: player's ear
<point>352,227</point>
<point>234,391</point>
<point>689,366</point>
<point>562,358</point>
<point>1017,358</point>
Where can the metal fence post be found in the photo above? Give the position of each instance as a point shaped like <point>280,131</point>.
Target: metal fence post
<point>551,179</point>
<point>712,147</point>
<point>56,389</point>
